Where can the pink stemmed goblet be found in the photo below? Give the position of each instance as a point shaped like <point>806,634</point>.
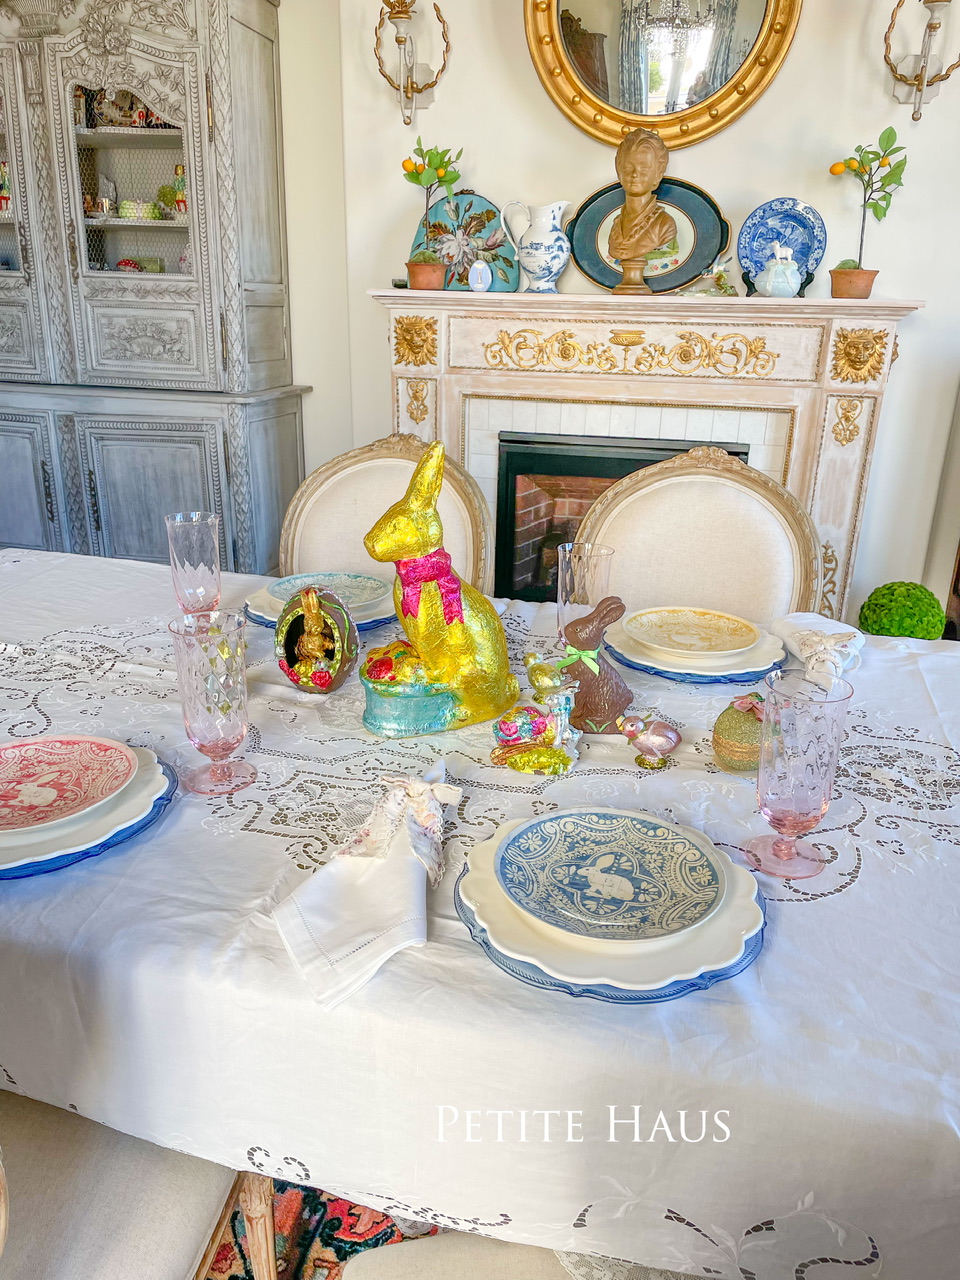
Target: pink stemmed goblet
<point>194,538</point>
<point>211,672</point>
<point>803,717</point>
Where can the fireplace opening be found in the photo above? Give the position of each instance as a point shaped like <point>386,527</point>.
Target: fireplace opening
<point>546,484</point>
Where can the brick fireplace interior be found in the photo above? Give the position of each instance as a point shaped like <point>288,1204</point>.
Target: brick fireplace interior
<point>545,486</point>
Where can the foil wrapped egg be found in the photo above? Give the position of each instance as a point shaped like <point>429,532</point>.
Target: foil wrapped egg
<point>525,724</point>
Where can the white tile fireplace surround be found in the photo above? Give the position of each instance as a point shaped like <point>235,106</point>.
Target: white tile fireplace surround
<point>798,380</point>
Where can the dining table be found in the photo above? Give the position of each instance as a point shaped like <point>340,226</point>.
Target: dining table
<point>796,1122</point>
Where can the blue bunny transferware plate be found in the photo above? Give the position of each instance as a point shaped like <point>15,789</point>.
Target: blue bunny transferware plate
<point>535,977</point>
<point>791,223</point>
<point>42,866</point>
<point>702,235</point>
<point>608,875</point>
<point>691,677</point>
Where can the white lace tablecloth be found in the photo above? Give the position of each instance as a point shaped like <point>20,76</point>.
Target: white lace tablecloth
<point>146,989</point>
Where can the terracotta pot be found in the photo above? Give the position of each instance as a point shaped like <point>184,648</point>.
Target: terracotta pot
<point>852,283</point>
<point>426,275</point>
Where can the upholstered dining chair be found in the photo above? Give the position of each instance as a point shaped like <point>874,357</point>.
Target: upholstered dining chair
<point>703,529</point>
<point>339,502</point>
<point>84,1201</point>
<point>456,1255</point>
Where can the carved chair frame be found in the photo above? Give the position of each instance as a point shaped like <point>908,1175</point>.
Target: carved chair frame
<point>711,463</point>
<point>410,448</point>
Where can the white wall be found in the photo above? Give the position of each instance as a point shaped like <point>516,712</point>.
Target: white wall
<point>316,221</point>
<point>833,92</point>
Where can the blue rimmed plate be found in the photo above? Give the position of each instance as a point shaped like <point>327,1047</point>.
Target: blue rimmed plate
<point>702,235</point>
<point>691,677</point>
<point>789,222</point>
<point>142,802</point>
<point>609,875</point>
<point>355,590</point>
<point>527,972</point>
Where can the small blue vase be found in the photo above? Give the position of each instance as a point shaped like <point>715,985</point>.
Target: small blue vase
<point>544,249</point>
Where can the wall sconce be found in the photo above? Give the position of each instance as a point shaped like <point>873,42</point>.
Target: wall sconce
<point>399,13</point>
<point>918,77</point>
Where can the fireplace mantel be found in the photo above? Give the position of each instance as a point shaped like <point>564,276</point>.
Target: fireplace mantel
<point>822,361</point>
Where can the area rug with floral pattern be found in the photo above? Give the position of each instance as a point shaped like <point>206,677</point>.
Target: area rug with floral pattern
<point>316,1233</point>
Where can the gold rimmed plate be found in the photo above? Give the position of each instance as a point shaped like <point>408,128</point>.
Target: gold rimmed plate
<point>676,632</point>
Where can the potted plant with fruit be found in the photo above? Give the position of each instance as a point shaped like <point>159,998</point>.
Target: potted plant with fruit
<point>879,175</point>
<point>431,169</point>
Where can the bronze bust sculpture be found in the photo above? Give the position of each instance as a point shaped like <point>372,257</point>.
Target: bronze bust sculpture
<point>642,225</point>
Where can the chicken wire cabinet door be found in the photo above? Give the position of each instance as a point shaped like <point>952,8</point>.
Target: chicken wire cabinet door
<point>133,180</point>
<point>29,505</point>
<point>23,352</point>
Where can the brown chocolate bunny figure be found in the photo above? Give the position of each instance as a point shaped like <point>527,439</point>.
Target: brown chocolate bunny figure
<point>603,695</point>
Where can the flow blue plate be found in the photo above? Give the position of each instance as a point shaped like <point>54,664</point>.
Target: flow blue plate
<point>789,222</point>
<point>534,977</point>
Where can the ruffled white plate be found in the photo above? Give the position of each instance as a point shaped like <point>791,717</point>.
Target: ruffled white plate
<point>134,802</point>
<point>717,942</point>
<point>768,650</point>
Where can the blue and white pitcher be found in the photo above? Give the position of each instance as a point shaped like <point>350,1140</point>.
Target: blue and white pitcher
<point>543,250</point>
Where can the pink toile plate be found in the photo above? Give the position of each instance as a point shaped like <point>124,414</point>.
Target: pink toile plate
<point>46,781</point>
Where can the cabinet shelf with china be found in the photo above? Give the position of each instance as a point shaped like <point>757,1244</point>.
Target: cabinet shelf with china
<point>146,251</point>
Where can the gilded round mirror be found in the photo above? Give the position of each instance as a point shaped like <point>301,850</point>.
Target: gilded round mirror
<point>684,68</point>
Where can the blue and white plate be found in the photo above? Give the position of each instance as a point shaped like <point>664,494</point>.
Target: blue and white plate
<point>609,875</point>
<point>353,589</point>
<point>526,971</point>
<point>263,620</point>
<point>263,608</point>
<point>141,803</point>
<point>746,667</point>
<point>791,223</point>
<point>691,677</point>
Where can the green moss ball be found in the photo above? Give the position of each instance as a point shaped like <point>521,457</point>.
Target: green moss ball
<point>903,609</point>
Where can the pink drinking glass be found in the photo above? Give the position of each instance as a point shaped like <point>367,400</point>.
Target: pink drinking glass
<point>211,672</point>
<point>194,538</point>
<point>803,719</point>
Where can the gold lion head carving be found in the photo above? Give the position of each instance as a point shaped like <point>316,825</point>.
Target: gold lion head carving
<point>858,354</point>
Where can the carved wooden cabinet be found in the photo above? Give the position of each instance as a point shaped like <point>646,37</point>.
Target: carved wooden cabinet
<point>142,246</point>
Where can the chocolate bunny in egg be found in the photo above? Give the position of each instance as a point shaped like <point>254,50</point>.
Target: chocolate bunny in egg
<point>603,696</point>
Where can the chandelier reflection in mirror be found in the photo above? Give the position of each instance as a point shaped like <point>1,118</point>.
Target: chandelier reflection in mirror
<point>657,57</point>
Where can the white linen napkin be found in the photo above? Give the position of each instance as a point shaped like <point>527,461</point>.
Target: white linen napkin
<point>821,644</point>
<point>369,900</point>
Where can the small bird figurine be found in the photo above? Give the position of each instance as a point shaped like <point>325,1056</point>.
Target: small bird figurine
<point>653,740</point>
<point>543,676</point>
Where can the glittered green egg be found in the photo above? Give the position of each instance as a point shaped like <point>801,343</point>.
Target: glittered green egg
<point>316,642</point>
<point>736,740</point>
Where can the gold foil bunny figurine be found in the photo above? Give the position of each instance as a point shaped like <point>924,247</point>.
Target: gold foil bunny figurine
<point>454,629</point>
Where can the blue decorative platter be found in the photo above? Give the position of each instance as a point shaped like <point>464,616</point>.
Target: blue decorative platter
<point>608,875</point>
<point>261,620</point>
<point>41,867</point>
<point>535,977</point>
<point>353,589</point>
<point>790,222</point>
<point>691,677</point>
<point>702,235</point>
<point>467,229</point>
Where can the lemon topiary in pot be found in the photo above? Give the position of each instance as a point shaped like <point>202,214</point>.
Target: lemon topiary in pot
<point>903,609</point>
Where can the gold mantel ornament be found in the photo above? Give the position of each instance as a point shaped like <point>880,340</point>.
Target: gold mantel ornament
<point>858,354</point>
<point>596,116</point>
<point>847,426</point>
<point>730,354</point>
<point>415,340</point>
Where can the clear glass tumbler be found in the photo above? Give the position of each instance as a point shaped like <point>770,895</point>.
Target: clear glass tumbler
<point>194,538</point>
<point>211,671</point>
<point>583,579</point>
<point>803,718</point>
